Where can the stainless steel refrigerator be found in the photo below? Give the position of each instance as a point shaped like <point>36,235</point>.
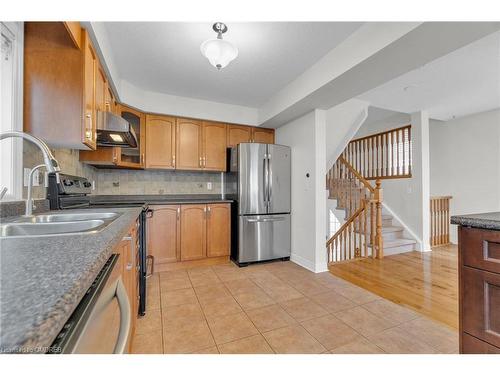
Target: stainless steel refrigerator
<point>261,225</point>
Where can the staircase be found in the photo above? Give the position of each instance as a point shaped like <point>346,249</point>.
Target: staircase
<point>368,230</point>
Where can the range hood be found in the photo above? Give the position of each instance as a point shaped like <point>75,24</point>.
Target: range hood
<point>112,130</point>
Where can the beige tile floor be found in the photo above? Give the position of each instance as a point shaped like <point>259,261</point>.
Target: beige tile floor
<point>278,307</point>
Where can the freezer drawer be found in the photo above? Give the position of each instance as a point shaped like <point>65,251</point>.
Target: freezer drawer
<point>263,237</point>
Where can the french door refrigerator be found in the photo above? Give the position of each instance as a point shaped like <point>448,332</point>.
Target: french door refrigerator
<point>262,211</point>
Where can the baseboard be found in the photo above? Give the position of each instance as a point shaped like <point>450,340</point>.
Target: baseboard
<point>307,264</point>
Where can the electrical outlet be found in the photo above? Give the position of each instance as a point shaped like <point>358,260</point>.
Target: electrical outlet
<point>36,177</point>
<point>209,186</point>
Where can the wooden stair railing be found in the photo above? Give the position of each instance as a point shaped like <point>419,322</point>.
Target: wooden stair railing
<point>361,235</point>
<point>440,220</point>
<point>383,155</point>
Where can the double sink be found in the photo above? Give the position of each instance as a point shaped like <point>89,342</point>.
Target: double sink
<point>57,224</point>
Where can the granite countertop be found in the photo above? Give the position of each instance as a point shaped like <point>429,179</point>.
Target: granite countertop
<point>43,279</point>
<point>160,199</point>
<point>489,220</point>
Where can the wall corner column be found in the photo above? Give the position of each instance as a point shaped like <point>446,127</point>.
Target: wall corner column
<point>421,175</point>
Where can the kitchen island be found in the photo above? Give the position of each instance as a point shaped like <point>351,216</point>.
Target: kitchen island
<point>479,282</point>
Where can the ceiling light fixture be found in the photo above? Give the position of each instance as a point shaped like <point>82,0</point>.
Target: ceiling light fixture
<point>218,51</point>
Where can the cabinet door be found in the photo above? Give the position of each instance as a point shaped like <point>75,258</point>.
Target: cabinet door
<point>100,89</point>
<point>218,229</point>
<point>160,142</point>
<point>193,231</point>
<point>214,146</point>
<point>480,304</point>
<point>238,134</point>
<point>163,233</point>
<point>188,142</point>
<point>89,69</point>
<point>262,135</point>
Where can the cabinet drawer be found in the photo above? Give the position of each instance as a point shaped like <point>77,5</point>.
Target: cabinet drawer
<point>480,248</point>
<point>471,345</point>
<point>480,304</point>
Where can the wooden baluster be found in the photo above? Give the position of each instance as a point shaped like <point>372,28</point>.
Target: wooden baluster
<point>409,150</point>
<point>372,227</point>
<point>448,221</point>
<point>381,155</point>
<point>379,239</point>
<point>431,206</point>
<point>404,156</point>
<point>398,164</point>
<point>370,152</point>
<point>386,173</point>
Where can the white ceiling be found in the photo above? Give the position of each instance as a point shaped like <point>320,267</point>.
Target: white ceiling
<point>463,82</point>
<point>165,57</point>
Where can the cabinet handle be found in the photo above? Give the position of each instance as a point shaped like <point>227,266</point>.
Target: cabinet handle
<point>142,159</point>
<point>178,212</point>
<point>204,161</point>
<point>209,211</point>
<point>173,160</point>
<point>200,163</point>
<point>132,251</point>
<point>88,133</point>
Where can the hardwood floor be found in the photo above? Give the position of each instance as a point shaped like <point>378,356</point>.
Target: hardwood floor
<point>425,282</point>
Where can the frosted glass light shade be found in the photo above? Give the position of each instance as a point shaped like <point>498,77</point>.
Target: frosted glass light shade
<point>219,52</point>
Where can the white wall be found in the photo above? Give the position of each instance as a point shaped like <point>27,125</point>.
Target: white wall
<point>155,102</point>
<point>465,163</point>
<point>342,122</point>
<point>305,136</point>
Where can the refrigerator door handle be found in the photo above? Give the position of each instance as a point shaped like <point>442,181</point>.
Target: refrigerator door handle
<point>269,179</point>
<point>265,173</point>
<point>265,220</point>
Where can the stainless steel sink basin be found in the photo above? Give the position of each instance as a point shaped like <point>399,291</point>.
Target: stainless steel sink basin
<point>57,218</point>
<point>51,228</point>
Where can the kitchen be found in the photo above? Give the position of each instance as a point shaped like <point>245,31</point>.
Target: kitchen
<point>163,192</point>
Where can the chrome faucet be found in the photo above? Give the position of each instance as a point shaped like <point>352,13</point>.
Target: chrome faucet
<point>50,163</point>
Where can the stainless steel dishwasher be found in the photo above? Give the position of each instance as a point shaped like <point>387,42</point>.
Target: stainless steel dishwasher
<point>101,322</point>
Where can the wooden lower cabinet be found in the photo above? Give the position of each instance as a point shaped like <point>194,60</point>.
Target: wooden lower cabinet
<point>163,233</point>
<point>218,229</point>
<point>479,286</point>
<point>188,232</point>
<point>193,231</point>
<point>128,251</point>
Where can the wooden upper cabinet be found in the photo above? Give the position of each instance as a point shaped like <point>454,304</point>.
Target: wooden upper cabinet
<point>214,146</point>
<point>109,101</point>
<point>160,142</point>
<point>262,135</point>
<point>193,231</point>
<point>89,90</point>
<point>58,78</point>
<point>163,229</point>
<point>100,89</point>
<point>218,229</point>
<point>238,134</point>
<point>189,144</point>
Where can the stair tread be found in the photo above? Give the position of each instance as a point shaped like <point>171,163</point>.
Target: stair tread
<point>392,228</point>
<point>398,242</point>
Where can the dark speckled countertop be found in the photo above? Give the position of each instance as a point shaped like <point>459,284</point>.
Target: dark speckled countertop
<point>489,220</point>
<point>43,279</point>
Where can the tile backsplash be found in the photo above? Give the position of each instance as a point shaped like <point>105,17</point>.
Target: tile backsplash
<point>129,182</point>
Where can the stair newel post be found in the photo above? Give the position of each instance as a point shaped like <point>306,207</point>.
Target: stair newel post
<point>379,245</point>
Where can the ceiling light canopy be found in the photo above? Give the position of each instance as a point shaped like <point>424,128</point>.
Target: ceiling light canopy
<point>218,51</point>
